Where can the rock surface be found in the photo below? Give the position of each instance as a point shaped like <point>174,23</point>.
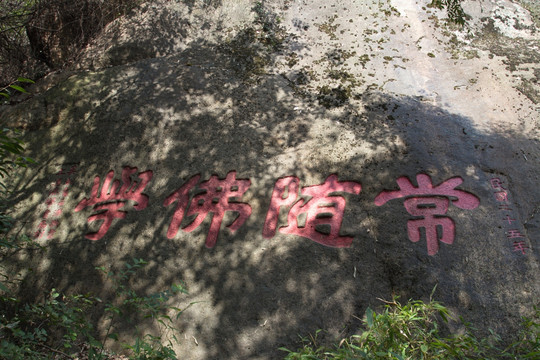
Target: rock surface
<point>294,92</point>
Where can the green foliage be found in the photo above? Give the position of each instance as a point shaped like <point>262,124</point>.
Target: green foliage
<point>454,9</point>
<point>154,306</point>
<point>61,324</point>
<point>37,330</point>
<point>528,343</point>
<point>11,157</point>
<point>7,91</point>
<point>412,331</point>
<point>150,348</point>
<point>11,145</point>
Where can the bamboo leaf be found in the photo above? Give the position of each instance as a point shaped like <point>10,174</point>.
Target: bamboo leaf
<point>18,88</point>
<point>25,80</point>
<point>369,317</point>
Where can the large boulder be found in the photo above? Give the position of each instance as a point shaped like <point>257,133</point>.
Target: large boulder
<point>291,173</point>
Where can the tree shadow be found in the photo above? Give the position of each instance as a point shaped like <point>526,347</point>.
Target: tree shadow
<point>192,113</point>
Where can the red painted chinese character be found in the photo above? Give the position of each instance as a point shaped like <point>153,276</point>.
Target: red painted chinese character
<point>509,219</point>
<point>430,203</point>
<point>46,229</point>
<point>64,171</point>
<point>501,196</point>
<point>56,188</point>
<point>520,246</point>
<point>109,199</point>
<point>321,209</point>
<point>52,228</point>
<point>41,229</point>
<point>215,196</point>
<point>46,214</point>
<point>72,170</point>
<point>496,184</point>
<point>66,188</point>
<point>55,203</point>
<point>514,233</point>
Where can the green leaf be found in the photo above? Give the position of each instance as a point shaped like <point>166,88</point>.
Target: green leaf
<point>433,292</point>
<point>179,288</point>
<point>29,160</point>
<point>18,88</point>
<point>164,316</point>
<point>369,317</point>
<point>12,148</point>
<point>4,94</point>
<point>25,80</point>
<point>96,343</point>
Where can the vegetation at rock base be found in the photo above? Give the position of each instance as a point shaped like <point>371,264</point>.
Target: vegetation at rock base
<point>413,331</point>
<point>61,327</point>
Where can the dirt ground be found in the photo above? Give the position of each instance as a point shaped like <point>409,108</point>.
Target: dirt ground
<point>326,136</point>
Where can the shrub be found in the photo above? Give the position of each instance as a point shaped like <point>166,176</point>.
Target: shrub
<point>412,331</point>
<point>61,324</point>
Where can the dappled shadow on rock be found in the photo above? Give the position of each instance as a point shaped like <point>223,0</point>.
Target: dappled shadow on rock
<point>191,113</point>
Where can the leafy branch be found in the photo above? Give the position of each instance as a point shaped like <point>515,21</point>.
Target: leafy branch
<point>7,90</point>
<point>453,8</point>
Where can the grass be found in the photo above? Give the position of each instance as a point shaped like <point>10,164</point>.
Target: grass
<point>412,331</point>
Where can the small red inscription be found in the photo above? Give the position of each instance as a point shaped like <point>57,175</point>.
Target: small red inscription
<point>510,220</point>
<point>512,231</point>
<point>108,200</point>
<point>496,184</point>
<point>520,246</point>
<point>501,196</point>
<point>214,196</point>
<point>323,208</point>
<point>430,203</point>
